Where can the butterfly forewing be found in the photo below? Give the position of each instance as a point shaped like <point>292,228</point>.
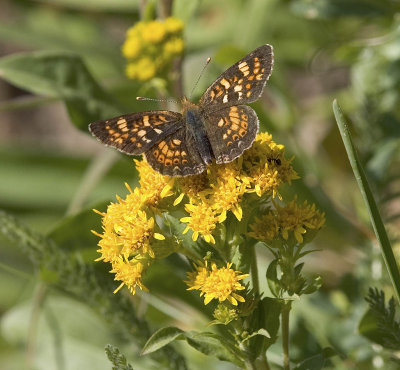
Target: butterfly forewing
<point>241,83</point>
<point>137,132</point>
<point>176,155</point>
<point>231,131</point>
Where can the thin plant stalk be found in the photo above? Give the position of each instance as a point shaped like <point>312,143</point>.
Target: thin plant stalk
<point>369,200</point>
<point>285,334</point>
<point>254,270</point>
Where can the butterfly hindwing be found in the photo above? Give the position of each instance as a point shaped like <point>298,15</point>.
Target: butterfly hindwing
<point>176,155</point>
<point>135,133</point>
<point>231,131</point>
<point>241,83</point>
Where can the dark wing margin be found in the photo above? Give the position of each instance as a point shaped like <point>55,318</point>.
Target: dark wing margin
<point>241,83</point>
<point>136,133</point>
<point>176,155</point>
<point>231,131</point>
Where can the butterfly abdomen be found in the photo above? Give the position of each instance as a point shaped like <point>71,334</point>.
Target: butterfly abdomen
<point>196,128</point>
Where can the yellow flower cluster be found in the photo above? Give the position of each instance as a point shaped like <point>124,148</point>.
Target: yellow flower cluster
<point>265,166</point>
<point>261,170</point>
<point>294,217</point>
<point>129,228</point>
<point>151,46</point>
<point>217,283</point>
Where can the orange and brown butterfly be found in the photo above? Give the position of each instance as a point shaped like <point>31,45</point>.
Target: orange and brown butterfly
<point>220,127</point>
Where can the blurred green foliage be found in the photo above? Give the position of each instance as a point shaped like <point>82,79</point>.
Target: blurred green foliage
<point>348,49</point>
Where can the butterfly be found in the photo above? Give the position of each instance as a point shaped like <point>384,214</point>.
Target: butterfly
<point>219,128</point>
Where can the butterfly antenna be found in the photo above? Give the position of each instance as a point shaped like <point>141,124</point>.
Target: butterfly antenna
<point>201,74</point>
<point>158,100</point>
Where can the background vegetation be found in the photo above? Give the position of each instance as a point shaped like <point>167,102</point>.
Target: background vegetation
<point>53,172</point>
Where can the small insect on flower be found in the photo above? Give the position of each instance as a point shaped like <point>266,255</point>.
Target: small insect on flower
<point>220,127</point>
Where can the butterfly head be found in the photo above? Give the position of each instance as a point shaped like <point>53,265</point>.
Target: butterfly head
<point>187,105</point>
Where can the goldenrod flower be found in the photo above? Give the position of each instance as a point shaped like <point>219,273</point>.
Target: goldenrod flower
<point>131,48</point>
<point>192,186</point>
<point>228,191</point>
<point>265,228</point>
<point>127,228</point>
<point>151,46</point>
<point>130,273</point>
<point>202,221</point>
<point>219,283</point>
<point>196,279</point>
<point>265,166</point>
<point>153,185</point>
<point>143,69</point>
<point>173,25</point>
<point>289,218</point>
<point>154,32</point>
<point>174,46</point>
<point>298,218</point>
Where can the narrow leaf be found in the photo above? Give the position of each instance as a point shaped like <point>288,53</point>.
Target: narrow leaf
<point>63,76</point>
<point>316,362</point>
<point>161,338</point>
<point>369,200</point>
<point>215,345</point>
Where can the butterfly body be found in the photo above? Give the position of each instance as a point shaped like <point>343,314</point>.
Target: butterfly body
<point>196,128</point>
<point>219,128</point>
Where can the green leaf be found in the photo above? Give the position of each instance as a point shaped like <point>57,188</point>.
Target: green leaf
<point>368,327</point>
<point>272,311</point>
<point>312,285</point>
<point>117,358</point>
<point>369,200</point>
<point>161,338</point>
<point>316,362</point>
<point>272,278</point>
<point>215,345</point>
<point>63,76</point>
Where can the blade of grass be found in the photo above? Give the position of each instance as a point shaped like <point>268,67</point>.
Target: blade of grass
<point>369,200</point>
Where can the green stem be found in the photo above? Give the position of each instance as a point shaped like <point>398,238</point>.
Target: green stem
<point>285,334</point>
<point>254,269</point>
<point>264,362</point>
<point>249,365</point>
<point>369,200</point>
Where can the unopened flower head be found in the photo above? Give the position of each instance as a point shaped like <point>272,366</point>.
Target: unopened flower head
<point>298,218</point>
<point>150,47</point>
<point>293,218</point>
